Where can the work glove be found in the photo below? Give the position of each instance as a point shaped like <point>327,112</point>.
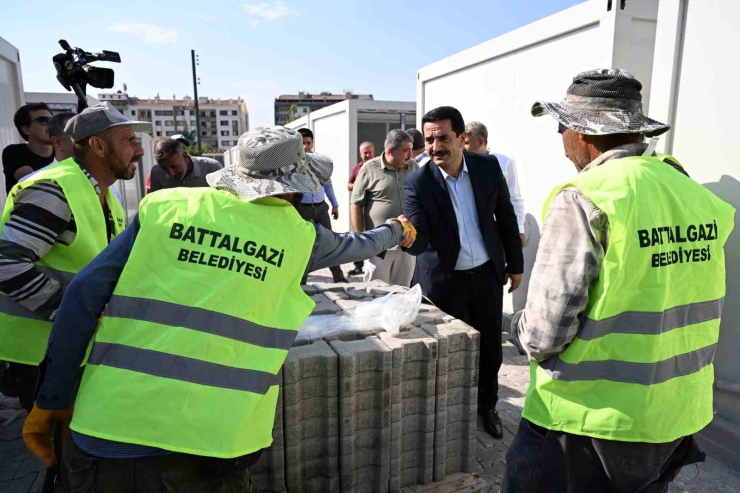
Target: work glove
<point>409,231</point>
<point>38,431</point>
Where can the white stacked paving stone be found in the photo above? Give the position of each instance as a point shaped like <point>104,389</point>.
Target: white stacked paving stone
<point>268,474</point>
<point>311,419</point>
<point>456,397</point>
<point>412,407</point>
<point>365,375</point>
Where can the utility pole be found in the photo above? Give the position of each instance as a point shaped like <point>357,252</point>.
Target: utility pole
<point>196,81</point>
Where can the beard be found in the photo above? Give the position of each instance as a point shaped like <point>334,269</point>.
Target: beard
<point>122,170</point>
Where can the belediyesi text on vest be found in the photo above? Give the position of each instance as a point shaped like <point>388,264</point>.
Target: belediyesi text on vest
<point>224,241</point>
<point>673,234</point>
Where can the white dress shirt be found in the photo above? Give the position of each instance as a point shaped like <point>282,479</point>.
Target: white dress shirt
<point>508,167</point>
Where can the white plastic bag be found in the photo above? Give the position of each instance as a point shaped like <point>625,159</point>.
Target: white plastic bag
<point>389,313</point>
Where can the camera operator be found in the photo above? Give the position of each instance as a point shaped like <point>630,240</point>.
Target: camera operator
<point>19,160</point>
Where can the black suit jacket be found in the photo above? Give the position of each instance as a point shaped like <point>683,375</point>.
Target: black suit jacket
<point>428,206</point>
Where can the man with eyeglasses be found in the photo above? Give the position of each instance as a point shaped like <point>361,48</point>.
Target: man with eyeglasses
<point>20,160</point>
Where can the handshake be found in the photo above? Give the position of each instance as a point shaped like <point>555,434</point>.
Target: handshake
<point>409,231</point>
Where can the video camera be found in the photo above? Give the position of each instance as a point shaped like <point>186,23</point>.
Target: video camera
<point>74,75</point>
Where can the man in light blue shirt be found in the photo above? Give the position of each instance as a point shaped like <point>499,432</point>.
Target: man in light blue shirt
<point>313,206</point>
<point>472,247</point>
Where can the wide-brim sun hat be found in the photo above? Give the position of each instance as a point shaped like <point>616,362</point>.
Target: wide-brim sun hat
<point>271,161</point>
<point>603,102</point>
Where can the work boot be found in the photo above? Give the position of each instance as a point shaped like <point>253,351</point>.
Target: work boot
<point>355,272</point>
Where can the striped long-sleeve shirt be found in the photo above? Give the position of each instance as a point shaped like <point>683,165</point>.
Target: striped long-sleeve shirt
<point>40,218</point>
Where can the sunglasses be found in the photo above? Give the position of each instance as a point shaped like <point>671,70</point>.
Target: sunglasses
<point>43,120</point>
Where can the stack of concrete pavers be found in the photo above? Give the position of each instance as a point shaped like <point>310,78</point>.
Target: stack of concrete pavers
<point>268,474</point>
<point>371,411</point>
<point>311,419</point>
<point>456,397</point>
<point>365,378</point>
<point>413,407</point>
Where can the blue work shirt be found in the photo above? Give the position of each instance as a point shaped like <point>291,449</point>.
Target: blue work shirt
<point>472,247</point>
<point>317,198</point>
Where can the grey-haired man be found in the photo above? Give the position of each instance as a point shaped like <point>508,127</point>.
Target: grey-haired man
<point>378,196</point>
<point>620,336</point>
<point>240,249</point>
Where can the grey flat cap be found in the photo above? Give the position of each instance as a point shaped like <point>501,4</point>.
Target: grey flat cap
<point>97,118</point>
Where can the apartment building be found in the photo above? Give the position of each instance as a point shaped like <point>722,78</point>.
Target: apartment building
<point>222,121</point>
<point>306,103</point>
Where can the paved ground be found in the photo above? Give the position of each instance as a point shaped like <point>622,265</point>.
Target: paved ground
<point>20,472</point>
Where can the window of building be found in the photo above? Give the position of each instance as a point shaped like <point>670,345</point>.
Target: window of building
<point>192,123</point>
<point>233,113</point>
<point>224,123</point>
<point>225,144</point>
<point>168,123</point>
<point>180,112</point>
<point>159,133</point>
<point>133,112</point>
<point>203,124</point>
<point>234,133</point>
<point>158,122</point>
<point>162,112</point>
<point>170,134</point>
<point>224,133</point>
<point>223,112</point>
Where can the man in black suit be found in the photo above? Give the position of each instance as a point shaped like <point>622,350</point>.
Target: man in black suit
<point>467,243</point>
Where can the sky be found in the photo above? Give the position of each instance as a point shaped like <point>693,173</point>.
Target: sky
<point>259,49</point>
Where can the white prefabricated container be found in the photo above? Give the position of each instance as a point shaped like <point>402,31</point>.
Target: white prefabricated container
<point>11,98</point>
<point>498,81</point>
<point>338,131</point>
<point>695,90</point>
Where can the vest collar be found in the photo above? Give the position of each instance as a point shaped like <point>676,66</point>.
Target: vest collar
<point>628,150</point>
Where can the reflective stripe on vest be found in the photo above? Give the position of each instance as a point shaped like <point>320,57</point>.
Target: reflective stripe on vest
<point>23,333</point>
<point>199,325</point>
<point>211,322</point>
<point>640,367</point>
<point>9,307</point>
<point>628,372</point>
<point>652,322</point>
<point>181,368</point>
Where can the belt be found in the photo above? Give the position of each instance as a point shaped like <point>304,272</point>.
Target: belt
<point>474,269</point>
<point>313,204</point>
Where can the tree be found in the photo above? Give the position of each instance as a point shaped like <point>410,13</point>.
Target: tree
<point>292,113</point>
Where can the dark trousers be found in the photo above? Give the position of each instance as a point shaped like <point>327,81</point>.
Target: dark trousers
<point>476,298</point>
<point>171,473</point>
<point>319,213</point>
<point>544,461</point>
<point>18,380</point>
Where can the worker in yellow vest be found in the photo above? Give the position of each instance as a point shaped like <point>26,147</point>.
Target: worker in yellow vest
<point>54,223</point>
<point>623,312</point>
<point>201,301</point>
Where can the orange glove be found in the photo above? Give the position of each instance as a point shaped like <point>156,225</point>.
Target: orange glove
<point>409,231</point>
<point>38,431</point>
